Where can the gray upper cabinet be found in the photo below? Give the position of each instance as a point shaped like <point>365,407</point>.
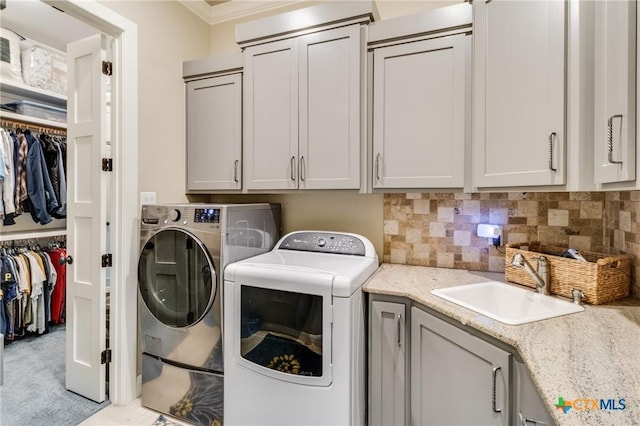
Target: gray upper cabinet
<point>519,93</point>
<point>448,364</point>
<point>615,91</point>
<point>271,115</point>
<point>214,124</point>
<point>420,95</point>
<point>331,70</point>
<point>303,98</point>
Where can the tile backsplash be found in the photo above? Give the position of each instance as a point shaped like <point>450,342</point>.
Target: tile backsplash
<point>439,229</point>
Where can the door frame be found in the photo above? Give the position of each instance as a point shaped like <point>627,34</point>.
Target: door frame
<point>123,202</point>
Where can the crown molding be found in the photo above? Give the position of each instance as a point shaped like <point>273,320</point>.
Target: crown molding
<point>231,10</point>
<point>199,7</point>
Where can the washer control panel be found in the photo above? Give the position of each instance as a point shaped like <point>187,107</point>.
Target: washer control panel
<point>181,215</point>
<point>174,215</point>
<point>207,216</point>
<point>323,242</point>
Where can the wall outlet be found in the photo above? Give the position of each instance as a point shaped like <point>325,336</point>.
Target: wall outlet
<point>493,232</point>
<point>147,198</point>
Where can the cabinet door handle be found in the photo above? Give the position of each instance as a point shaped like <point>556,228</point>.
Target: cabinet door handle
<point>552,137</point>
<point>235,171</point>
<point>610,138</point>
<point>378,158</point>
<point>493,397</point>
<point>302,168</point>
<point>293,169</point>
<point>399,329</point>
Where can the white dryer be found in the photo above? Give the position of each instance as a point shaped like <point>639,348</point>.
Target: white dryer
<point>294,327</point>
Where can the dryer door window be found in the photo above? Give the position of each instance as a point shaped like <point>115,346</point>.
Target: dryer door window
<point>176,278</point>
<point>283,325</point>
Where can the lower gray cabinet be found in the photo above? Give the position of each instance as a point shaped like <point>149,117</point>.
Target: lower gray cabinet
<point>387,364</point>
<point>456,378</point>
<point>424,371</point>
<point>529,407</point>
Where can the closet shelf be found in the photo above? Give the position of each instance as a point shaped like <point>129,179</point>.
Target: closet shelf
<point>32,235</point>
<point>8,115</point>
<point>35,93</point>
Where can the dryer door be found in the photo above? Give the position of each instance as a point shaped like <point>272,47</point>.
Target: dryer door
<point>177,278</point>
<point>281,323</point>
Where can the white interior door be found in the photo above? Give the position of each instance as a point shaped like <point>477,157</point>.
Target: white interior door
<point>86,221</point>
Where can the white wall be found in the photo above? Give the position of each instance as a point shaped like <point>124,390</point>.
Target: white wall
<point>168,34</point>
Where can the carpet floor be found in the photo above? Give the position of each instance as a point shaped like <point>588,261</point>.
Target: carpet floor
<point>34,391</point>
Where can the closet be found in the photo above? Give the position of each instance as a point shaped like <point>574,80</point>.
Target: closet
<point>33,181</point>
<point>32,211</point>
<point>113,193</point>
<point>33,116</point>
<point>33,193</point>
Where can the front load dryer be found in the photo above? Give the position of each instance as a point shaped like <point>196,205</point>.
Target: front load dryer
<point>184,249</point>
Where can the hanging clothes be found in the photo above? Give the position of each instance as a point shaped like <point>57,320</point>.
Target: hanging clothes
<point>59,290</point>
<point>52,147</point>
<point>41,197</point>
<point>27,286</point>
<point>32,176</point>
<point>9,290</point>
<point>8,184</point>
<point>3,172</point>
<point>21,149</point>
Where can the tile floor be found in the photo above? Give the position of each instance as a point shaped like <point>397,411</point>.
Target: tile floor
<point>133,414</point>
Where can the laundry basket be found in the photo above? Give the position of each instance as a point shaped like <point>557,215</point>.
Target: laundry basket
<point>603,278</point>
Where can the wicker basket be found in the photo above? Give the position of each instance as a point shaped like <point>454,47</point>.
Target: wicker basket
<point>602,278</point>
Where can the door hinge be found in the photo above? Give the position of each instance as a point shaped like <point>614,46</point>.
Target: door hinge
<point>107,165</point>
<point>105,356</point>
<point>107,68</point>
<point>106,260</point>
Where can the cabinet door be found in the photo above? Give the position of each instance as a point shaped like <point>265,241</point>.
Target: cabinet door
<point>387,364</point>
<point>330,119</point>
<point>214,133</point>
<point>530,410</point>
<point>271,115</point>
<point>456,378</point>
<point>615,82</point>
<point>519,93</point>
<point>419,113</point>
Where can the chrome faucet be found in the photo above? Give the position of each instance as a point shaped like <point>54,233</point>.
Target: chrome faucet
<point>541,277</point>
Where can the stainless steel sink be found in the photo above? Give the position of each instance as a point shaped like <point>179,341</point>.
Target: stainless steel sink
<point>507,303</point>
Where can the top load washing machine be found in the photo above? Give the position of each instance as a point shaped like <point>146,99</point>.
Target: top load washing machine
<point>294,325</point>
<point>184,249</point>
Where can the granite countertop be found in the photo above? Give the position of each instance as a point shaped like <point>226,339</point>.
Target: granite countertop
<point>593,354</point>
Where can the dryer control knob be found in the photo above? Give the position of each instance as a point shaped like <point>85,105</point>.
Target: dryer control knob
<point>174,215</point>
<point>322,242</point>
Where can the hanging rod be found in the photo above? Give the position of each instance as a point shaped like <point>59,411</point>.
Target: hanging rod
<point>30,235</point>
<point>6,123</point>
<point>32,240</point>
